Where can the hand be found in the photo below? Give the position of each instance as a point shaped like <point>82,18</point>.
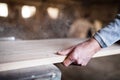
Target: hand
<point>81,53</point>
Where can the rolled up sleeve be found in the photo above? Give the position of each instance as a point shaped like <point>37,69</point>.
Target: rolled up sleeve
<point>109,34</point>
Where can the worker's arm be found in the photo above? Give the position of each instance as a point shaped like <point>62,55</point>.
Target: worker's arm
<point>83,52</point>
<point>109,34</point>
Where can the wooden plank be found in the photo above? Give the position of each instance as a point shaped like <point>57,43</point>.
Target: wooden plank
<point>30,53</point>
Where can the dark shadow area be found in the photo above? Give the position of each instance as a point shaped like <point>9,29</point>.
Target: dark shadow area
<point>103,68</point>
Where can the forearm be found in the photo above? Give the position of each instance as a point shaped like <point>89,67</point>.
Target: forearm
<point>110,34</point>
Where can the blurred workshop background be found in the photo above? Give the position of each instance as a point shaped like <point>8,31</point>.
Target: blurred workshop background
<point>43,19</point>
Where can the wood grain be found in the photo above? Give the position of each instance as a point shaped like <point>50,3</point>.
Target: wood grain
<point>30,53</point>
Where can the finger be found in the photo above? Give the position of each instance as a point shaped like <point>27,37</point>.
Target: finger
<point>65,52</point>
<point>85,61</point>
<point>79,61</point>
<point>68,61</point>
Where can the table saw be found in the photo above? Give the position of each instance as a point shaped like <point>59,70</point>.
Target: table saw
<point>23,58</point>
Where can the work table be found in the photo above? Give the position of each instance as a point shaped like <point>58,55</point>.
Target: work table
<point>30,53</point>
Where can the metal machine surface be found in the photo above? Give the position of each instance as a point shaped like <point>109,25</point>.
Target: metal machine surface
<point>46,72</point>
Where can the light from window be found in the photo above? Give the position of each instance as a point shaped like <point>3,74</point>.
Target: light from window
<point>28,11</point>
<point>3,10</point>
<point>53,12</point>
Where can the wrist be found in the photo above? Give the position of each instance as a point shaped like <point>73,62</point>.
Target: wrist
<point>94,45</point>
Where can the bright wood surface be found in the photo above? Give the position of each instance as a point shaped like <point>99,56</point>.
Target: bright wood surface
<point>30,53</point>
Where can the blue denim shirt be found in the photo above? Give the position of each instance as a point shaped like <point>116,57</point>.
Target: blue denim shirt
<point>109,34</point>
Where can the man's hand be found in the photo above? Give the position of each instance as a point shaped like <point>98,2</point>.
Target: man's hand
<point>81,53</point>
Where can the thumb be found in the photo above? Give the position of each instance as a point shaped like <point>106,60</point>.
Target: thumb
<point>69,60</point>
<point>65,52</point>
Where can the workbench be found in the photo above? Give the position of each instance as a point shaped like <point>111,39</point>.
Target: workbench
<point>16,55</point>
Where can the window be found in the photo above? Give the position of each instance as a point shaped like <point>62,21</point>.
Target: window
<point>53,12</point>
<point>3,10</point>
<point>28,11</point>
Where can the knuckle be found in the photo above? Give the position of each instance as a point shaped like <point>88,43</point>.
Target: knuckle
<point>71,59</point>
<point>79,61</point>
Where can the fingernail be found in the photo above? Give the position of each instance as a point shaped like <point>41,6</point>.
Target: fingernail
<point>59,52</point>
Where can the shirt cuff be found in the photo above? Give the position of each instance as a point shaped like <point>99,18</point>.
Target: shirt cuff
<point>99,40</point>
